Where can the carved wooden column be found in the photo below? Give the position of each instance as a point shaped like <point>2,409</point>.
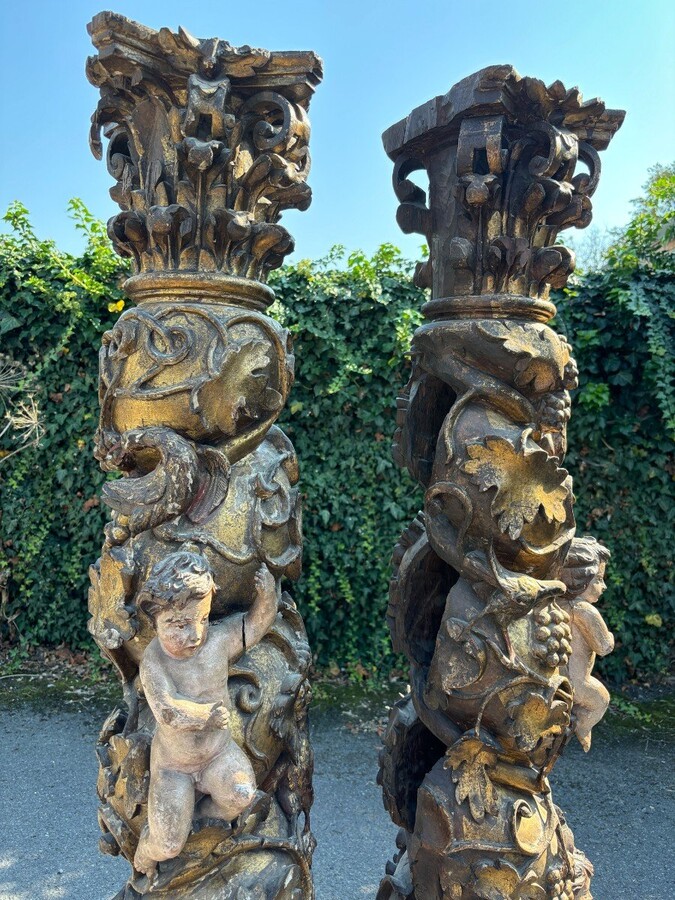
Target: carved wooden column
<point>205,787</point>
<point>491,599</point>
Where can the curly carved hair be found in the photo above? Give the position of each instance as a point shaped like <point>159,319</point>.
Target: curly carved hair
<point>175,581</point>
<point>583,562</point>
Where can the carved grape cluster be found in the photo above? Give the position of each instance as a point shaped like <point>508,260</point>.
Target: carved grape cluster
<point>553,636</point>
<point>555,410</point>
<point>560,887</point>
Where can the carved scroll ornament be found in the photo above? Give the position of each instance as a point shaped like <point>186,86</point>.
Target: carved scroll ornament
<point>228,151</point>
<point>488,577</point>
<point>205,774</point>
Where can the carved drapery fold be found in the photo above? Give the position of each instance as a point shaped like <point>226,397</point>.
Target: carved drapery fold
<point>490,585</point>
<point>208,144</point>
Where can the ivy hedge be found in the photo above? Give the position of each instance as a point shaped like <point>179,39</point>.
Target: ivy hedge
<point>352,328</point>
<point>53,311</point>
<point>352,320</point>
<point>622,431</point>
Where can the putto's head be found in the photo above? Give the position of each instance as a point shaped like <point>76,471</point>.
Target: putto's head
<point>177,597</point>
<point>584,569</point>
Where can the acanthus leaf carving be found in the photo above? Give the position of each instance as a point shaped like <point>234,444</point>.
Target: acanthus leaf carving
<point>229,132</point>
<point>513,186</point>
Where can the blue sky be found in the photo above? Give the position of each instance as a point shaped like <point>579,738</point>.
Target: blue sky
<point>381,59</point>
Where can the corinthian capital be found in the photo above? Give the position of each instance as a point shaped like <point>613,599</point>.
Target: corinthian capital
<point>502,154</point>
<point>207,146</point>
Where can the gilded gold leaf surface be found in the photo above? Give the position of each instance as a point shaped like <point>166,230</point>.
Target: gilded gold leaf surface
<point>111,622</point>
<point>471,762</point>
<point>484,575</point>
<point>529,483</point>
<point>205,777</point>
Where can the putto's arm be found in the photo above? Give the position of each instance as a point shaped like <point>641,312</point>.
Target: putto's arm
<point>244,631</point>
<point>260,617</point>
<point>593,627</point>
<point>168,707</point>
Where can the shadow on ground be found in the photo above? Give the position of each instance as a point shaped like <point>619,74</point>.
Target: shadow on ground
<point>620,799</point>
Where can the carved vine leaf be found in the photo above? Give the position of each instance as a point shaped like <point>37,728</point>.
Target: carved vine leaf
<point>130,763</point>
<point>237,385</point>
<point>111,623</point>
<point>528,482</point>
<point>502,881</point>
<point>531,345</point>
<point>531,717</point>
<point>471,762</point>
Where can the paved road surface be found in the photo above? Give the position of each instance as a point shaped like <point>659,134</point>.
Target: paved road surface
<point>620,801</point>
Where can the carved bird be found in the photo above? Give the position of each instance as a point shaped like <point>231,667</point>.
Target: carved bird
<point>161,477</point>
<point>514,594</point>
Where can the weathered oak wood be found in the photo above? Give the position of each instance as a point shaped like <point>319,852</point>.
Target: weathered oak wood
<point>492,593</point>
<point>205,775</point>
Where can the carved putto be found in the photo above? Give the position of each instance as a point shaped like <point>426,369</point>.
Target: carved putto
<point>205,777</point>
<point>184,675</point>
<point>491,597</point>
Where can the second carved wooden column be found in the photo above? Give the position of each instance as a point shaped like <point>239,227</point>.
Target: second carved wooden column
<point>205,777</point>
<point>492,595</point>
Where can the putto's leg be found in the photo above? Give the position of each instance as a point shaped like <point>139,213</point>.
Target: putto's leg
<point>171,803</point>
<point>230,783</point>
<point>591,700</point>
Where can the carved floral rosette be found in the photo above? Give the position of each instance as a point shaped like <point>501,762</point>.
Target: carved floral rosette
<point>208,144</point>
<point>475,599</point>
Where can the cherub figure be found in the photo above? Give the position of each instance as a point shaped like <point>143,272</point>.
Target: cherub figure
<point>208,96</point>
<point>584,576</point>
<point>184,673</point>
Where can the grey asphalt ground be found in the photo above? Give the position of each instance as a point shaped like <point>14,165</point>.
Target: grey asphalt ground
<point>620,801</point>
